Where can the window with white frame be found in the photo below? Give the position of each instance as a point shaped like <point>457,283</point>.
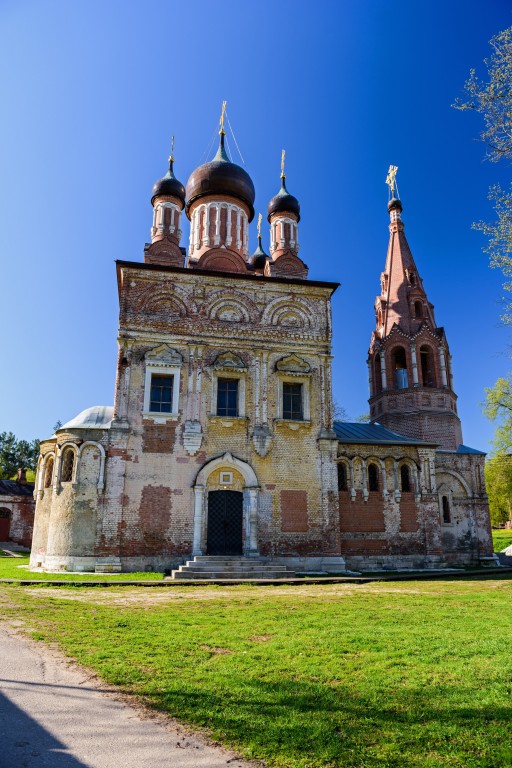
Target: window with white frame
<point>293,377</point>
<point>162,382</point>
<point>161,393</point>
<point>228,386</point>
<point>227,397</point>
<point>293,401</point>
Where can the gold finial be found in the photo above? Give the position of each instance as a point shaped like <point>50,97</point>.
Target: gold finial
<point>171,156</point>
<point>391,181</point>
<point>259,225</point>
<point>283,155</point>
<point>222,114</point>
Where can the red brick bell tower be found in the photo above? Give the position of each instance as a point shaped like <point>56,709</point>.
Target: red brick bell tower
<point>409,364</point>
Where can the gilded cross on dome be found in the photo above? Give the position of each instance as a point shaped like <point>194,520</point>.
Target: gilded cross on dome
<point>391,181</point>
<point>222,115</point>
<point>259,225</point>
<point>171,156</point>
<point>283,155</point>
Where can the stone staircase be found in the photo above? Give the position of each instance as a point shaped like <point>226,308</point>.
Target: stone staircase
<point>231,567</point>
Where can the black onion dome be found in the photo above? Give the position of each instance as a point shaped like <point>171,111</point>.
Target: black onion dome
<point>169,185</point>
<point>394,204</point>
<point>284,202</point>
<point>259,258</point>
<point>221,177</point>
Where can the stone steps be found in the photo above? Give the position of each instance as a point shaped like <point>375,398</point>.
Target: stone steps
<point>211,567</point>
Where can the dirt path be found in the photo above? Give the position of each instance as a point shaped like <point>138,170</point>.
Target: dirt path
<point>53,714</point>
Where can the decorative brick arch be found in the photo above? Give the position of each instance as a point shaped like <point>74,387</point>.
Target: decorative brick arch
<point>250,509</point>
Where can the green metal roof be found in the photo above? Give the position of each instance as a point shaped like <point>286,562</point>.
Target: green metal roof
<point>373,434</point>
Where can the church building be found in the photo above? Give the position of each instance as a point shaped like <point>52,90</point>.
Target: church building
<point>220,455</point>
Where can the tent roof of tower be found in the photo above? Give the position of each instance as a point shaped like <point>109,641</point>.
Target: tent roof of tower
<point>221,177</point>
<point>372,434</point>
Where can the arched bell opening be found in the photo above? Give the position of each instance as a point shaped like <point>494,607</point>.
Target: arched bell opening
<point>399,365</point>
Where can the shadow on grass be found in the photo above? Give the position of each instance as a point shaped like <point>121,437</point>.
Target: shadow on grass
<point>328,725</point>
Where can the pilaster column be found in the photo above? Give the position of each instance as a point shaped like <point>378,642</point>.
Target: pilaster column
<point>370,377</point>
<point>198,214</point>
<point>414,366</point>
<point>238,232</point>
<point>252,548</point>
<point>199,375</point>
<point>442,364</point>
<point>384,479</point>
<point>206,233</point>
<point>383,370</point>
<point>228,226</point>
<point>365,480</point>
<point>257,386</point>
<point>198,519</point>
<point>352,486</point>
<point>190,383</point>
<point>217,224</point>
<point>328,393</point>
<point>264,387</point>
<point>395,479</point>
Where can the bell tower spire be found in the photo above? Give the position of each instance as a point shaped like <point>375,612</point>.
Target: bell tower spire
<point>409,364</point>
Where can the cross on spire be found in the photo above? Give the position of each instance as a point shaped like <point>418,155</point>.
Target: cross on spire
<point>222,116</point>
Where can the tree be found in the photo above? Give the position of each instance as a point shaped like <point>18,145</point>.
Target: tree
<point>498,469</point>
<point>493,100</point>
<point>15,454</point>
<point>498,479</point>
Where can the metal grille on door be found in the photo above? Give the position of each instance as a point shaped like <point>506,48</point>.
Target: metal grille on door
<point>225,517</point>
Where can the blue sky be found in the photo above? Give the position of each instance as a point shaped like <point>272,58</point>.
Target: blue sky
<point>94,90</point>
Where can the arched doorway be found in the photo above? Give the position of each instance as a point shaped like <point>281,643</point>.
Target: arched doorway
<point>226,508</point>
<point>5,524</point>
<point>225,523</point>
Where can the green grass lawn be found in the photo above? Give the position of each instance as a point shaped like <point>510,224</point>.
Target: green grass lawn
<point>17,568</point>
<point>501,539</point>
<point>314,676</point>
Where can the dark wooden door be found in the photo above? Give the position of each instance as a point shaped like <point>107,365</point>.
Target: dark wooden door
<point>225,519</point>
<point>5,524</point>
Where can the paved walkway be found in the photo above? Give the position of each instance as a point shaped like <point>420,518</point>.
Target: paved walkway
<point>53,715</point>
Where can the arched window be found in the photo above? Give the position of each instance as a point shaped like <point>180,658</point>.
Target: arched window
<point>342,477</point>
<point>68,462</point>
<point>405,478</point>
<point>48,475</point>
<point>418,310</point>
<point>428,376</point>
<point>399,361</point>
<point>373,477</point>
<point>447,514</point>
<point>412,278</point>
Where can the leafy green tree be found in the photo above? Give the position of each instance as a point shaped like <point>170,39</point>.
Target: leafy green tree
<point>498,469</point>
<point>15,454</point>
<point>492,98</point>
<point>498,479</point>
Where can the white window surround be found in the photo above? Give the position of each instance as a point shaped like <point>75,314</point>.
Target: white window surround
<point>287,378</point>
<point>237,375</point>
<point>157,369</point>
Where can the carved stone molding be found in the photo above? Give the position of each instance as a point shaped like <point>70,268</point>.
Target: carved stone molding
<point>261,439</point>
<point>192,437</point>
